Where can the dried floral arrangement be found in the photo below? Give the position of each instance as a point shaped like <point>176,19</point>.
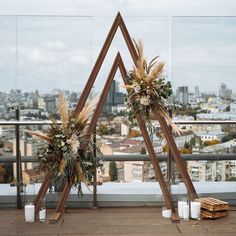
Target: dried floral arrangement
<point>67,150</point>
<point>147,88</point>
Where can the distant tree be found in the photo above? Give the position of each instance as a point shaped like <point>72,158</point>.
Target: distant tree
<point>165,148</point>
<point>2,174</point>
<point>113,171</point>
<point>232,179</point>
<point>185,151</point>
<point>228,137</point>
<point>112,131</point>
<point>227,109</point>
<point>9,172</point>
<point>143,151</point>
<point>134,133</point>
<point>103,129</point>
<point>211,142</point>
<point>187,145</point>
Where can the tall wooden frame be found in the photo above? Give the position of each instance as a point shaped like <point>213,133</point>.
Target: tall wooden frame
<point>118,63</point>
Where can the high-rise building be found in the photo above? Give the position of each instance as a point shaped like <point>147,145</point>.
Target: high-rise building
<point>114,97</point>
<point>182,95</point>
<point>196,91</point>
<point>224,92</point>
<point>47,104</point>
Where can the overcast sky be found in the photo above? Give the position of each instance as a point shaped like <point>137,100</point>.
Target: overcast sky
<point>59,52</point>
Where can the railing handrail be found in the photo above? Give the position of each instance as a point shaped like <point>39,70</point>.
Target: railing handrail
<point>160,157</point>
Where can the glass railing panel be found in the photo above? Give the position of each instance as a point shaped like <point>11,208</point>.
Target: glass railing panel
<point>8,67</point>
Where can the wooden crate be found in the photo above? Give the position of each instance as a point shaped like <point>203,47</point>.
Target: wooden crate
<point>205,214</point>
<point>213,204</point>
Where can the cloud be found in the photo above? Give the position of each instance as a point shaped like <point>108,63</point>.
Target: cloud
<point>82,60</point>
<point>38,57</point>
<point>55,45</point>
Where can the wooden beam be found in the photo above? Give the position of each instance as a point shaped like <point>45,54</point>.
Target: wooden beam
<point>152,154</point>
<point>175,152</point>
<point>41,194</point>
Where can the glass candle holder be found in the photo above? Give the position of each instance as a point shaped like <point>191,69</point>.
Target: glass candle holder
<point>42,210</point>
<point>29,212</point>
<point>186,212</point>
<point>166,213</point>
<point>196,209</point>
<point>181,203</point>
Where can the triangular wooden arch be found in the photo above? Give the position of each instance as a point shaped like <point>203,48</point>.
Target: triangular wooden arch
<point>118,63</point>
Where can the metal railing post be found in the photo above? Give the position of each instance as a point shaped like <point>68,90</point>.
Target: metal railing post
<point>18,161</point>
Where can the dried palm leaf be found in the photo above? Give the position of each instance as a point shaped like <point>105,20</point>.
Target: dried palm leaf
<point>62,167</point>
<point>156,72</point>
<point>38,134</point>
<point>170,122</point>
<point>63,110</point>
<point>141,62</point>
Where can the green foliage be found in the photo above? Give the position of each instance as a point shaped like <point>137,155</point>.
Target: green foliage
<point>227,109</point>
<point>184,111</point>
<point>9,172</point>
<point>103,129</point>
<point>134,133</point>
<point>186,145</point>
<point>2,174</point>
<point>211,142</point>
<point>232,179</point>
<point>143,151</point>
<point>195,139</point>
<point>113,171</point>
<point>185,151</point>
<point>228,137</point>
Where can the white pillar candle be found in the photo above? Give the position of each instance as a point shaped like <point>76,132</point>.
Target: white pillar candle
<point>186,212</point>
<point>180,208</point>
<point>195,210</point>
<point>42,215</point>
<point>166,213</point>
<point>29,213</point>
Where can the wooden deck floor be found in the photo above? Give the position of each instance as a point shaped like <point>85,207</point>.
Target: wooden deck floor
<point>114,222</point>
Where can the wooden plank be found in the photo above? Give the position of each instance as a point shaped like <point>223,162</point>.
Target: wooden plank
<point>175,153</point>
<point>175,217</point>
<point>126,221</point>
<point>41,194</point>
<point>213,214</point>
<point>55,217</point>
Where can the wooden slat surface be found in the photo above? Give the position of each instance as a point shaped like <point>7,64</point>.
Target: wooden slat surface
<point>213,204</point>
<point>213,214</point>
<point>114,222</point>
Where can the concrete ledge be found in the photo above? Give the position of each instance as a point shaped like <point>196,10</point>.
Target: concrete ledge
<point>114,194</point>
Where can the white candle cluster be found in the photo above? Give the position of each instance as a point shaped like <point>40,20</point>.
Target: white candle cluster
<point>166,213</point>
<point>42,215</point>
<point>195,210</point>
<point>186,212</point>
<point>184,209</point>
<point>29,213</point>
<point>181,205</point>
